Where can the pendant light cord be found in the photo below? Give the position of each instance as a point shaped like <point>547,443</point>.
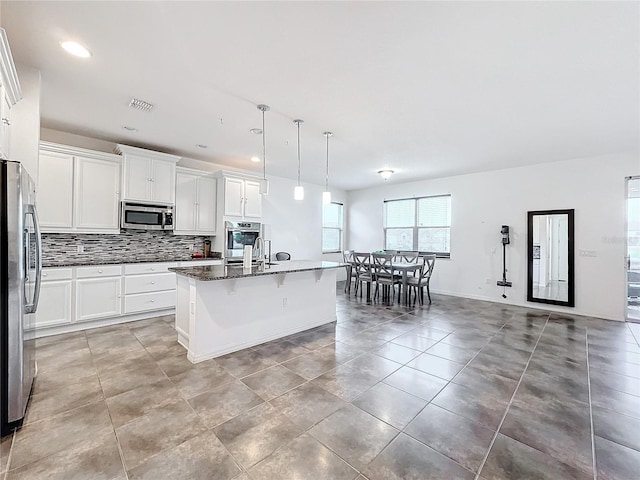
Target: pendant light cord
<point>326,179</point>
<point>264,150</point>
<point>298,153</point>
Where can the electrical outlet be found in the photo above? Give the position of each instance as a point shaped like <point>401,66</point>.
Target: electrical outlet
<point>285,302</point>
<point>80,248</point>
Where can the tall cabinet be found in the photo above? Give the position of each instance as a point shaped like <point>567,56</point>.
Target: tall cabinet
<point>195,211</point>
<point>149,177</point>
<point>10,93</point>
<point>78,190</point>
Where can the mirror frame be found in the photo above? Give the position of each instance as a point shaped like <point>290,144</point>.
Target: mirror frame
<point>571,260</point>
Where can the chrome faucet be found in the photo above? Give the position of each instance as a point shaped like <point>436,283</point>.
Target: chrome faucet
<point>258,246</point>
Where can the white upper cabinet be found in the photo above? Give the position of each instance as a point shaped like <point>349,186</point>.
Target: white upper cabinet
<point>148,176</point>
<point>97,197</point>
<point>195,203</point>
<point>78,190</point>
<point>10,93</point>
<point>242,198</point>
<point>54,195</point>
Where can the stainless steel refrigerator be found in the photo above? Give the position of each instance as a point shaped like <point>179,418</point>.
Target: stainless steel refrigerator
<point>21,272</point>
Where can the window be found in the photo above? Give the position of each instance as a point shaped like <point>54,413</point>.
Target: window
<point>422,224</point>
<point>332,227</point>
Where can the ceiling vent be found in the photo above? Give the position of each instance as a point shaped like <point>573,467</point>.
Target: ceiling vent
<point>140,105</point>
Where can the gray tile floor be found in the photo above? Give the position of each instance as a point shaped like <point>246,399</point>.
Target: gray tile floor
<point>461,389</point>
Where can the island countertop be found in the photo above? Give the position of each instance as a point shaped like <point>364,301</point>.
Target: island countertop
<point>226,272</point>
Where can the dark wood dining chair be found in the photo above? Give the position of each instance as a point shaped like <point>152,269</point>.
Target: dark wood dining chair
<point>347,257</point>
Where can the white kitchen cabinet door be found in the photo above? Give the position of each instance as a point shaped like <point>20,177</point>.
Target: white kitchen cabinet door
<point>54,195</point>
<point>163,182</point>
<point>252,199</point>
<point>137,178</point>
<point>206,205</point>
<point>233,197</point>
<point>97,198</point>
<point>186,202</point>
<point>54,306</point>
<point>98,297</point>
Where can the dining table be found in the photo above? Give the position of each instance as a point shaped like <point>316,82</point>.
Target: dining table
<point>401,267</point>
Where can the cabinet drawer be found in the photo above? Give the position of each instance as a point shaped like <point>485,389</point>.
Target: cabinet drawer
<point>51,274</point>
<point>143,302</point>
<point>99,271</point>
<point>149,283</point>
<point>138,268</point>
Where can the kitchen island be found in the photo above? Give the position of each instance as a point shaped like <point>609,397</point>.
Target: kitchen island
<point>222,309</point>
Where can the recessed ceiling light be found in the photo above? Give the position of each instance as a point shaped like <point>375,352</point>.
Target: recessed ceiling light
<point>257,131</point>
<point>199,145</point>
<point>129,128</point>
<point>74,48</point>
<point>255,159</point>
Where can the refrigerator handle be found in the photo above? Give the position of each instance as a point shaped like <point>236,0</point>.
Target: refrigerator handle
<point>32,307</point>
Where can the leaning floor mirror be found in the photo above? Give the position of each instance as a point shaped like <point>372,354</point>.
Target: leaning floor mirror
<point>551,257</point>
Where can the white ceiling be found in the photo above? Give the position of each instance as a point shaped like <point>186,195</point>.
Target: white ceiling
<point>427,88</point>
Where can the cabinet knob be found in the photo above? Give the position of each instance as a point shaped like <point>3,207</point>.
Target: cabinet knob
<point>153,301</point>
<point>153,283</point>
<point>153,269</point>
<point>44,274</point>
<point>99,271</point>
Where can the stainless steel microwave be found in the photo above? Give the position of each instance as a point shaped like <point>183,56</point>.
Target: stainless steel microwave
<point>141,216</point>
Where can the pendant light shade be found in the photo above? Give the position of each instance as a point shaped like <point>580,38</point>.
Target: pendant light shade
<point>264,183</point>
<point>326,195</point>
<point>298,192</point>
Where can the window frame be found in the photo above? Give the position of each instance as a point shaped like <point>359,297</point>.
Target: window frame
<point>340,229</point>
<point>416,228</point>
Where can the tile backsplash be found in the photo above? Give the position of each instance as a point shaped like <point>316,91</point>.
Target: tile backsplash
<point>129,247</point>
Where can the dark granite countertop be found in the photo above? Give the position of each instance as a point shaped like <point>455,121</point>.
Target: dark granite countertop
<point>225,272</point>
<point>116,261</point>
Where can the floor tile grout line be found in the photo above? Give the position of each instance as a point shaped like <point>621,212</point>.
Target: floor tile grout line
<point>504,416</point>
<point>593,433</point>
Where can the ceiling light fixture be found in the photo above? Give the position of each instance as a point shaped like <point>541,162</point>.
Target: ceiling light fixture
<point>386,174</point>
<point>255,159</point>
<point>298,191</point>
<point>257,131</point>
<point>75,49</point>
<point>326,195</point>
<point>200,145</point>
<point>264,184</point>
<point>129,128</point>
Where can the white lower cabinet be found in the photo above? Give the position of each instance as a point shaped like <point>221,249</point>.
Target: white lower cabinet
<point>98,298</point>
<point>56,295</point>
<point>75,298</point>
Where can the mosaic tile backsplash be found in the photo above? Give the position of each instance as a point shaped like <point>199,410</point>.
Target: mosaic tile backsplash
<point>129,247</point>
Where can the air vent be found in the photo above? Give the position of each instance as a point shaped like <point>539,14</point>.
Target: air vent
<point>140,105</point>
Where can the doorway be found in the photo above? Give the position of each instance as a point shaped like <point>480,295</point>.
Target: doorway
<point>633,249</point>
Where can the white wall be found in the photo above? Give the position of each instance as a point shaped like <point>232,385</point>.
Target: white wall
<point>25,121</point>
<point>482,202</point>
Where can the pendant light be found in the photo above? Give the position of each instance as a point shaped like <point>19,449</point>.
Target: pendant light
<point>264,184</point>
<point>326,195</point>
<point>298,192</point>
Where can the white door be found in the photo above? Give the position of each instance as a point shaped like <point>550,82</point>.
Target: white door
<point>233,197</point>
<point>186,200</point>
<point>163,178</point>
<point>253,199</point>
<point>98,297</point>
<point>54,306</point>
<point>137,178</point>
<point>206,205</point>
<point>97,195</point>
<point>54,194</point>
